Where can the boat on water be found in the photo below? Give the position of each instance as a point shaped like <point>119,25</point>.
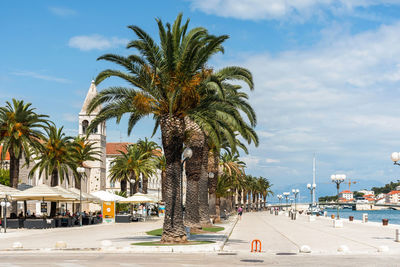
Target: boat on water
<point>315,210</point>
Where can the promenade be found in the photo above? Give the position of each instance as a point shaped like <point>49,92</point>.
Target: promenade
<point>280,235</point>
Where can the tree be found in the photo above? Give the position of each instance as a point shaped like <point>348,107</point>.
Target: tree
<point>55,158</point>
<point>165,79</point>
<point>153,151</point>
<point>130,165</point>
<point>20,132</point>
<point>5,177</point>
<point>83,150</point>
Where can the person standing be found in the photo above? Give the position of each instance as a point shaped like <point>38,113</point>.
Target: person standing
<point>240,212</point>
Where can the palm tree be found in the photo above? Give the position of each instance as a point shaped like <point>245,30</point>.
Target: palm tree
<point>222,190</point>
<point>161,165</point>
<point>153,151</point>
<point>165,79</point>
<point>83,150</point>
<point>55,158</point>
<point>130,165</point>
<point>265,187</point>
<point>20,132</point>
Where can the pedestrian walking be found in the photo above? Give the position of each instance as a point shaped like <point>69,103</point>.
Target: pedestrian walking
<point>240,212</point>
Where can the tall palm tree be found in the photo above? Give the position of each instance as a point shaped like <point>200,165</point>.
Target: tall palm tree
<point>130,166</point>
<point>165,79</point>
<point>161,165</point>
<point>20,132</point>
<point>153,151</point>
<point>265,187</point>
<point>55,158</point>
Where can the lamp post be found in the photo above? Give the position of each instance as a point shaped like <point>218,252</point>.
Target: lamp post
<point>295,193</point>
<point>5,203</point>
<point>132,183</point>
<point>81,171</point>
<point>286,195</point>
<point>312,189</point>
<point>187,154</point>
<point>338,179</point>
<point>395,157</point>
<point>280,200</point>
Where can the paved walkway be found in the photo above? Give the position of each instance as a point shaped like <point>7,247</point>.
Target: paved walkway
<point>280,235</point>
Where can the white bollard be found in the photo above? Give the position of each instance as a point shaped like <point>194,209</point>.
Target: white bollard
<point>343,248</point>
<point>61,244</point>
<point>305,249</point>
<point>397,237</point>
<point>325,214</point>
<point>365,217</point>
<point>383,249</point>
<point>337,224</point>
<point>106,243</point>
<point>17,245</point>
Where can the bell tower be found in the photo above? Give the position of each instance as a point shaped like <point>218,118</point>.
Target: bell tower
<point>96,170</point>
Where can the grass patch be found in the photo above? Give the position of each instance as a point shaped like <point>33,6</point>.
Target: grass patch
<point>155,232</point>
<point>214,229</point>
<point>158,243</point>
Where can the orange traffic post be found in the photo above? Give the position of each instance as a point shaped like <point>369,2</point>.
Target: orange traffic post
<point>255,241</point>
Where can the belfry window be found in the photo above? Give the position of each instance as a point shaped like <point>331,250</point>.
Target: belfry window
<point>85,125</point>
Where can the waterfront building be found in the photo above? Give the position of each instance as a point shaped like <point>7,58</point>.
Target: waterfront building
<point>392,197</point>
<point>346,195</point>
<point>366,192</point>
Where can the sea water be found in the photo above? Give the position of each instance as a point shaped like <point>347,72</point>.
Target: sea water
<point>373,215</point>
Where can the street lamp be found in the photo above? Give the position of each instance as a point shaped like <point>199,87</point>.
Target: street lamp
<point>312,189</point>
<point>187,154</point>
<point>5,203</point>
<point>295,193</point>
<point>81,171</point>
<point>280,200</point>
<point>338,179</point>
<point>395,157</point>
<point>286,195</point>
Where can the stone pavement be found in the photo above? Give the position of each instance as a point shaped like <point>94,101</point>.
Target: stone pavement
<point>281,236</point>
<point>121,235</point>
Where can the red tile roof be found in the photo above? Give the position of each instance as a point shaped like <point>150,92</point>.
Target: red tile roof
<point>114,148</point>
<point>7,154</point>
<point>346,191</point>
<point>394,192</point>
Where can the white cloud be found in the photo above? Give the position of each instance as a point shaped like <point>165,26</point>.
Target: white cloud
<point>39,76</point>
<point>338,99</point>
<point>272,160</point>
<point>279,9</point>
<point>70,117</point>
<point>62,11</point>
<point>95,42</point>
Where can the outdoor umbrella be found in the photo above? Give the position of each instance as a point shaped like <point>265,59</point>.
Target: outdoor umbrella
<point>139,198</point>
<point>6,190</point>
<point>45,193</point>
<point>106,196</point>
<point>85,196</point>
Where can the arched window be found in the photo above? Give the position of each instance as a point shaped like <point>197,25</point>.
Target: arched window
<point>85,125</point>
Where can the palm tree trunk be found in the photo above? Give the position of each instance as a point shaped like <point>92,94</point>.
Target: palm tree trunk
<point>212,183</point>
<point>204,209</point>
<point>14,169</point>
<point>218,210</point>
<point>163,180</point>
<point>54,182</point>
<point>172,134</point>
<point>193,173</point>
<point>145,184</point>
<point>124,185</point>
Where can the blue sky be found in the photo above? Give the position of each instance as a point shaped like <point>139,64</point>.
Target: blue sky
<point>326,73</point>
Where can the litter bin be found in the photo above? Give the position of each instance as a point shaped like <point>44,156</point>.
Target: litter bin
<point>332,216</point>
<point>351,218</point>
<point>385,222</point>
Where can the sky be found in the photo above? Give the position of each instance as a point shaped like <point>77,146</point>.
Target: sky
<point>326,73</point>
